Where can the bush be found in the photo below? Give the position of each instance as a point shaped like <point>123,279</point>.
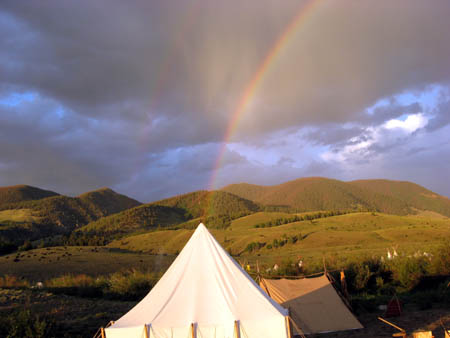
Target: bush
<point>26,246</point>
<point>131,285</point>
<point>79,285</point>
<point>441,260</point>
<point>23,324</point>
<point>409,271</point>
<point>369,275</point>
<point>8,281</point>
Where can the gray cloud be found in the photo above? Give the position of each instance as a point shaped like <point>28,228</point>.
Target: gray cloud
<point>145,90</point>
<point>441,116</point>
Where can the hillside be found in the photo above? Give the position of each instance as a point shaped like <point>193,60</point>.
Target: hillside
<point>413,194</point>
<point>141,218</point>
<point>107,202</point>
<point>184,211</point>
<point>336,237</point>
<point>211,203</point>
<point>58,214</point>
<point>316,193</point>
<point>20,193</point>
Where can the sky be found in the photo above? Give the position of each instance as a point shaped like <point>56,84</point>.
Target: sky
<point>157,98</point>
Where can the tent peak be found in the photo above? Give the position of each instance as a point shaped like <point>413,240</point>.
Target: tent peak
<point>201,227</point>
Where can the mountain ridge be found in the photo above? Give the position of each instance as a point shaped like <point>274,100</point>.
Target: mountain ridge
<point>23,192</point>
<point>318,193</point>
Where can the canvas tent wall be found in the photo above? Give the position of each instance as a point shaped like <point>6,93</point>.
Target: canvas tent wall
<point>206,291</point>
<point>313,304</point>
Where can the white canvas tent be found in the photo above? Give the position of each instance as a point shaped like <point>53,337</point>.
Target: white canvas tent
<point>204,293</point>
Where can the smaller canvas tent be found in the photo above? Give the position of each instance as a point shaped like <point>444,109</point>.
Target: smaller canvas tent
<point>204,293</point>
<point>313,304</point>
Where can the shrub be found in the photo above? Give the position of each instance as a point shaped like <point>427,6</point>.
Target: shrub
<point>441,260</point>
<point>23,324</point>
<point>8,281</point>
<point>131,284</point>
<point>409,271</point>
<point>369,274</point>
<point>26,246</point>
<point>80,285</point>
<point>71,281</point>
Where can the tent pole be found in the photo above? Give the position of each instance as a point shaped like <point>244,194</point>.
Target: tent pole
<point>288,326</point>
<point>102,330</point>
<point>193,330</point>
<point>145,330</point>
<point>237,331</point>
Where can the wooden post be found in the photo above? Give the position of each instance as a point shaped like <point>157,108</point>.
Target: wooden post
<point>102,330</point>
<point>237,331</point>
<point>288,327</point>
<point>146,330</point>
<point>193,335</point>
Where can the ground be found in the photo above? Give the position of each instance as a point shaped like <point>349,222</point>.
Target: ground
<point>411,320</point>
<point>81,317</point>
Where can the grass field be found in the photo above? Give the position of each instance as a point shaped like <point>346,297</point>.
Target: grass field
<point>18,215</point>
<point>337,238</point>
<point>81,317</point>
<point>43,264</point>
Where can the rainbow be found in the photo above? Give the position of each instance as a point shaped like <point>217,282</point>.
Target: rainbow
<point>258,78</point>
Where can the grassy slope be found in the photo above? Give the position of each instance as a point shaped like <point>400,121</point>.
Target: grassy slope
<point>20,193</point>
<point>250,221</point>
<point>18,215</point>
<point>414,195</point>
<point>46,263</point>
<point>144,217</point>
<point>108,202</point>
<point>346,235</point>
<point>180,210</point>
<point>211,203</point>
<point>32,219</point>
<point>315,193</point>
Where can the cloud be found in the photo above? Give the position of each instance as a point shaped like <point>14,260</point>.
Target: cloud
<point>107,93</point>
<point>409,125</point>
<point>441,116</point>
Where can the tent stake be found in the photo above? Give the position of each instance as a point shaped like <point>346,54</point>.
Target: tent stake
<point>237,331</point>
<point>102,330</point>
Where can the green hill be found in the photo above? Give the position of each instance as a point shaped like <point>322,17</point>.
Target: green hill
<point>20,193</point>
<point>142,218</point>
<point>211,203</point>
<point>337,237</point>
<point>106,201</point>
<point>412,194</point>
<point>33,219</point>
<point>184,211</point>
<point>316,193</point>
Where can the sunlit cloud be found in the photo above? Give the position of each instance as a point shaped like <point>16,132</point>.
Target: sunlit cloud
<point>410,124</point>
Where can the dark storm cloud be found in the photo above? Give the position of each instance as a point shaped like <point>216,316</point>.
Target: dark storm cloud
<point>334,134</point>
<point>441,116</point>
<point>144,90</point>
